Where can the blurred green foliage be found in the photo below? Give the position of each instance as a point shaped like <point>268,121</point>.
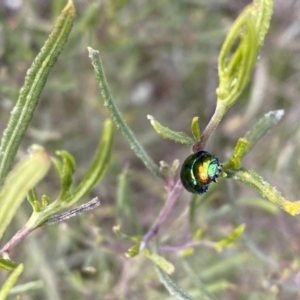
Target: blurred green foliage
<point>160,58</point>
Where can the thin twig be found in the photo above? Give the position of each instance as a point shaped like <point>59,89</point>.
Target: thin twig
<point>15,240</point>
<point>23,232</point>
<point>95,202</point>
<point>173,195</point>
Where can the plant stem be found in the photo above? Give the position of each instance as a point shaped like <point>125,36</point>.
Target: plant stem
<point>173,195</point>
<point>15,240</point>
<point>221,109</point>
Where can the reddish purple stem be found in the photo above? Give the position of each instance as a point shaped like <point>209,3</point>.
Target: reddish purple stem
<point>15,240</point>
<point>173,195</point>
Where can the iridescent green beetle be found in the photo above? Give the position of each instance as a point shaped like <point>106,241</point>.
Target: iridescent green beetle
<point>198,171</point>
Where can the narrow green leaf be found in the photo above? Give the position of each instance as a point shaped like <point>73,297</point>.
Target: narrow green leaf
<point>7,264</point>
<point>234,63</point>
<point>179,137</point>
<point>250,28</point>
<point>249,47</point>
<point>245,145</point>
<point>91,178</point>
<point>133,251</point>
<point>125,236</point>
<point>262,127</point>
<point>66,171</point>
<point>238,71</point>
<point>171,286</point>
<point>238,153</point>
<point>118,118</point>
<point>196,128</point>
<point>33,200</point>
<point>227,75</point>
<point>4,291</point>
<point>253,180</point>
<point>99,164</point>
<point>20,180</point>
<point>233,236</point>
<point>262,16</point>
<point>186,252</point>
<point>45,200</point>
<point>160,261</point>
<point>34,83</point>
<point>27,287</point>
<point>58,165</point>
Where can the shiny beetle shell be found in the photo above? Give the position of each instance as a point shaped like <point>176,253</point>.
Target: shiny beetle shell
<point>198,171</point>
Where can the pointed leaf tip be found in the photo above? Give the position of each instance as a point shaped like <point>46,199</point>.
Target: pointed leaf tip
<point>195,128</point>
<point>69,7</point>
<point>165,132</point>
<point>29,95</point>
